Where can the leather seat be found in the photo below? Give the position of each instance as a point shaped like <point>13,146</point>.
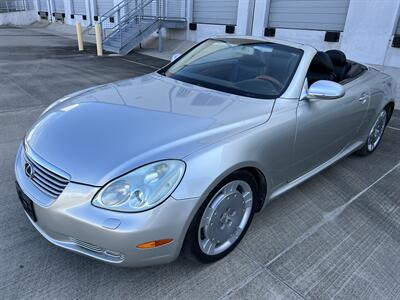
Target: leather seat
<point>340,64</point>
<point>321,68</point>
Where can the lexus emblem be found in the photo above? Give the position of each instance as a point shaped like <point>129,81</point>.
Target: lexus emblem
<point>29,170</point>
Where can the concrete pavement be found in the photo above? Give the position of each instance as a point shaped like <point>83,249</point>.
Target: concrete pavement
<point>335,236</point>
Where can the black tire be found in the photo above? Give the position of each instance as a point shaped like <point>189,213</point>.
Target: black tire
<point>364,150</point>
<point>192,242</point>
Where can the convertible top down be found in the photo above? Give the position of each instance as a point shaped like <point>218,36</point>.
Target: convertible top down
<point>130,172</point>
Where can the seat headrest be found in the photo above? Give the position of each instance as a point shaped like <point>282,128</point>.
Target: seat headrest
<point>321,63</point>
<point>338,57</point>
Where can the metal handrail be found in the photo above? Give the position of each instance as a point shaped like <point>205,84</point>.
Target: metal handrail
<point>122,21</point>
<point>130,19</point>
<point>116,7</point>
<point>131,12</point>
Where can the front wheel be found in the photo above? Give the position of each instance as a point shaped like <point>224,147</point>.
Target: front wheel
<point>375,135</point>
<point>224,217</point>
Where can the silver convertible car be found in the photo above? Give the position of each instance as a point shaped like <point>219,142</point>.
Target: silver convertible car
<point>132,172</point>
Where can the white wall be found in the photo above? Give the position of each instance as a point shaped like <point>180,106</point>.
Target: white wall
<point>369,29</point>
<point>260,14</point>
<point>19,18</point>
<point>203,31</point>
<point>367,35</point>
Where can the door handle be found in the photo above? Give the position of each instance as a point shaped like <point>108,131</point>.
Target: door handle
<point>363,98</point>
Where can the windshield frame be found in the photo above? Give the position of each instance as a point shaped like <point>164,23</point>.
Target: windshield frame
<point>227,89</point>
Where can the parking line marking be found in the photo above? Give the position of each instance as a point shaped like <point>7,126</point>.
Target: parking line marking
<point>138,63</point>
<point>328,216</point>
<point>394,128</point>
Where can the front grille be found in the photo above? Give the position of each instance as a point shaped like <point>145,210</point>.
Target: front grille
<point>45,180</point>
<point>100,252</point>
<point>87,246</point>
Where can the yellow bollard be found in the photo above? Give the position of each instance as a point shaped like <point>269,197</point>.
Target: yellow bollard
<point>98,40</point>
<point>79,35</point>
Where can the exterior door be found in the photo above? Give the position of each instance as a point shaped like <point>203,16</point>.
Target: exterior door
<point>222,12</point>
<point>58,6</point>
<point>175,9</point>
<point>42,5</point>
<point>308,14</point>
<point>79,7</point>
<point>103,6</point>
<point>326,127</point>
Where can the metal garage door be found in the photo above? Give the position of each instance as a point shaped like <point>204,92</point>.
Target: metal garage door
<point>215,11</point>
<point>79,7</point>
<point>58,6</point>
<point>149,10</point>
<point>175,9</point>
<point>42,5</point>
<point>308,14</point>
<point>104,6</point>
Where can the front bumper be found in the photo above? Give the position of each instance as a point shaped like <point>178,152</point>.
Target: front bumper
<point>73,223</point>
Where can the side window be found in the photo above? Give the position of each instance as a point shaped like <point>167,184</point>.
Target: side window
<point>333,65</point>
<point>321,68</point>
<point>355,71</point>
<point>341,66</point>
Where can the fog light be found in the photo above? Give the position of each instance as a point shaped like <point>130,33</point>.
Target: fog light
<point>154,244</point>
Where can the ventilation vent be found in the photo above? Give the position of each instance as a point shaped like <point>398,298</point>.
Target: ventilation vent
<point>45,180</point>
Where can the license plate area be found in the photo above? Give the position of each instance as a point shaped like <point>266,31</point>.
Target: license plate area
<point>27,203</point>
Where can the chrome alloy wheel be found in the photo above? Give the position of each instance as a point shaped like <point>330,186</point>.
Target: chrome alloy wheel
<point>225,217</point>
<point>377,130</point>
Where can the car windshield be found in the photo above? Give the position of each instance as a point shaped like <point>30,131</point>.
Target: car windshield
<point>242,67</point>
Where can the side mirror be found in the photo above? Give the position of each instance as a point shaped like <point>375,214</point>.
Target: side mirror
<point>175,56</point>
<point>325,89</point>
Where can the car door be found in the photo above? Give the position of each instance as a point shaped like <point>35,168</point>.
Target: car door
<point>326,126</point>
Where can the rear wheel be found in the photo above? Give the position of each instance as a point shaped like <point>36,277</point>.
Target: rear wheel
<point>375,135</point>
<point>224,217</point>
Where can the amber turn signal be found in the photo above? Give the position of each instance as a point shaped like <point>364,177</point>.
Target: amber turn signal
<point>154,244</point>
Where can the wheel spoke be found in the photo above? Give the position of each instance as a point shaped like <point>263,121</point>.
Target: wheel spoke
<point>248,199</point>
<point>376,132</point>
<point>230,188</point>
<point>209,246</point>
<point>206,216</point>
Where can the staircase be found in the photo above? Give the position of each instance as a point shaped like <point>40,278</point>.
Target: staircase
<point>127,24</point>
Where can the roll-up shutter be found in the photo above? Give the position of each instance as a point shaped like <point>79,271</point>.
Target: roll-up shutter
<point>79,7</point>
<point>58,6</point>
<point>215,11</point>
<point>175,9</point>
<point>150,10</point>
<point>43,5</point>
<point>308,14</point>
<point>104,6</point>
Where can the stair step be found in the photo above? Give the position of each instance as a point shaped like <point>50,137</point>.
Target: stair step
<point>124,36</point>
<point>134,32</point>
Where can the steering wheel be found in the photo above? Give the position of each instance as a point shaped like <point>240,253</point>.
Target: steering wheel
<point>271,79</point>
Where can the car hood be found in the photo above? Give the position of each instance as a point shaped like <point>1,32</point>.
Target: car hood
<point>106,131</point>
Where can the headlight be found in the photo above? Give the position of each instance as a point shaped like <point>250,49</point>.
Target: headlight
<point>142,188</point>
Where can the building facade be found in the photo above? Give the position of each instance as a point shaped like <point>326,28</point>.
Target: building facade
<point>366,30</point>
